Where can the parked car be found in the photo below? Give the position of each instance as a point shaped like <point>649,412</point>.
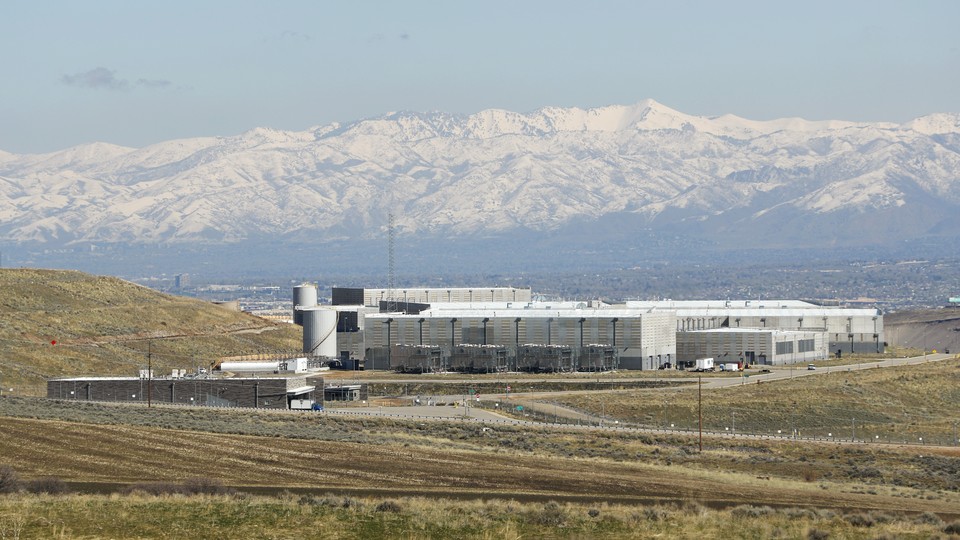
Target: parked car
<point>811,367</point>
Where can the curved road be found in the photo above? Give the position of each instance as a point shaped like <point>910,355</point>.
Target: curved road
<point>485,416</point>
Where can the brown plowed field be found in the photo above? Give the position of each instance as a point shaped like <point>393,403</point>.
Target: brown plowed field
<point>79,453</point>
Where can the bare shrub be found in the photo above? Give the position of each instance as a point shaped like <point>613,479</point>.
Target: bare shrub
<point>328,500</point>
<point>655,514</point>
<point>9,480</point>
<point>205,486</point>
<point>748,511</point>
<point>810,475</point>
<point>824,513</point>
<point>551,515</point>
<point>817,534</point>
<point>880,517</point>
<point>593,512</point>
<point>928,518</point>
<point>953,528</point>
<point>859,520</point>
<point>391,507</point>
<point>48,484</point>
<point>799,513</point>
<point>694,508</point>
<point>350,502</point>
<point>153,488</point>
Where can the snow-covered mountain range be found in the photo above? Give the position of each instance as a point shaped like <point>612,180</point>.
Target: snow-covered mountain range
<point>726,179</point>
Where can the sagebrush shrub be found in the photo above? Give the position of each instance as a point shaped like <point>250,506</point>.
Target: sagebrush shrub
<point>49,484</point>
<point>9,480</point>
<point>392,507</point>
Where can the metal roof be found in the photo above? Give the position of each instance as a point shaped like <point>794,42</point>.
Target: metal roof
<point>751,308</point>
<point>776,331</point>
<point>531,313</point>
<point>812,312</point>
<point>709,304</point>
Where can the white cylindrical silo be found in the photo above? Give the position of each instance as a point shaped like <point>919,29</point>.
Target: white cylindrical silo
<point>304,296</point>
<point>320,332</point>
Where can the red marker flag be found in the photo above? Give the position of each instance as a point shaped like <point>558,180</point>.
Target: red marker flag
<point>53,342</point>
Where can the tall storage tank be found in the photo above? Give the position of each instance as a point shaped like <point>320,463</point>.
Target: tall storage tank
<point>304,296</point>
<point>320,331</point>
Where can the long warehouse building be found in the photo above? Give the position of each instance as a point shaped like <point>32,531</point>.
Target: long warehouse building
<point>641,340</point>
<point>849,330</point>
<point>441,329</point>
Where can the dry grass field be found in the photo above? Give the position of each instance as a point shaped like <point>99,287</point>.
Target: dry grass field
<point>325,476</point>
<point>104,326</point>
<point>346,517</point>
<point>883,405</point>
<point>113,444</point>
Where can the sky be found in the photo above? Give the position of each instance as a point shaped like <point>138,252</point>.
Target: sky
<point>137,73</point>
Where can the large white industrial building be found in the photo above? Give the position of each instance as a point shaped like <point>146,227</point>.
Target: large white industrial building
<point>640,340</point>
<point>502,328</point>
<point>848,330</point>
<point>751,346</point>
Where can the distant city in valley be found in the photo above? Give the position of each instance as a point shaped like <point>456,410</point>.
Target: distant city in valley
<point>887,286</point>
<point>922,275</point>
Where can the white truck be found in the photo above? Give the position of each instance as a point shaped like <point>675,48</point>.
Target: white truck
<point>704,364</point>
<point>730,366</point>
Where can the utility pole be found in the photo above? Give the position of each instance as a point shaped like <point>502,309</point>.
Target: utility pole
<point>700,409</point>
<point>664,413</point>
<point>853,429</point>
<point>149,374</point>
<point>795,434</point>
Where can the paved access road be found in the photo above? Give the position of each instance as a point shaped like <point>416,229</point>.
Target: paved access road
<point>777,373</point>
<point>800,370</point>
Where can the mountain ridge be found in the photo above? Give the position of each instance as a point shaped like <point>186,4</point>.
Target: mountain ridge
<point>498,171</point>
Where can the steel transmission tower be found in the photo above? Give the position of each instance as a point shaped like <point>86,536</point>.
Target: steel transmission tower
<point>391,262</point>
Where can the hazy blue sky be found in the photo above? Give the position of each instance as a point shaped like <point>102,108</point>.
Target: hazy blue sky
<point>135,73</point>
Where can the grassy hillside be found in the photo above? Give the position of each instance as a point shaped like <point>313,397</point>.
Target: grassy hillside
<point>930,329</point>
<point>884,405</point>
<point>105,326</point>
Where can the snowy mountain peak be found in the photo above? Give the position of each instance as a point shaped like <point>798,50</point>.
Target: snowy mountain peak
<point>499,171</point>
<point>935,124</point>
